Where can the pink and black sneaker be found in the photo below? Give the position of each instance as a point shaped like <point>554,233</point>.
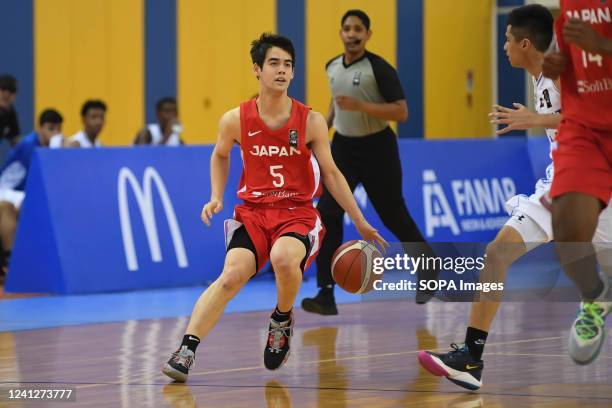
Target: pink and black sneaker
<point>457,365</point>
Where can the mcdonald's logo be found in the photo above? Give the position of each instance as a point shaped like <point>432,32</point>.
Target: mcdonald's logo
<point>144,199</point>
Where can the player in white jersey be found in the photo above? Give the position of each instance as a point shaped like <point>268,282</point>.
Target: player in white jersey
<point>530,215</point>
<point>528,36</point>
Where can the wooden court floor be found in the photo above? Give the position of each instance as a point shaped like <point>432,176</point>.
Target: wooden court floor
<point>366,357</point>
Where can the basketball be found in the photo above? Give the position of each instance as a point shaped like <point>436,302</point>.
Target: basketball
<point>352,266</point>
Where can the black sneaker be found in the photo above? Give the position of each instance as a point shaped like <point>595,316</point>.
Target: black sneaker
<point>457,365</point>
<point>277,347</point>
<point>179,364</point>
<point>324,303</point>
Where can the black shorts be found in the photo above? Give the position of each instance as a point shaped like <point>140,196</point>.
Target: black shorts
<point>241,239</point>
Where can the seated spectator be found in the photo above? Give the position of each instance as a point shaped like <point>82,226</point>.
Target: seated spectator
<point>9,125</point>
<point>14,174</point>
<point>92,115</point>
<point>168,129</point>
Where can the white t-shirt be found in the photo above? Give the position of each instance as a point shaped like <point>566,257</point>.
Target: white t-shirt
<point>56,141</point>
<point>157,136</point>
<point>547,101</point>
<point>83,140</point>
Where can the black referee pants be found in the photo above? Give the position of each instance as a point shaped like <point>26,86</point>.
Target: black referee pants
<point>373,161</point>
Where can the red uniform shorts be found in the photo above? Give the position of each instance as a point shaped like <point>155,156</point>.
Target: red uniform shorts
<point>583,161</point>
<point>265,224</point>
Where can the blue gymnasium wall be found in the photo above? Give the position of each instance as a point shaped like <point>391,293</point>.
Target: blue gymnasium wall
<point>17,30</point>
<point>166,48</point>
<point>511,86</point>
<point>71,238</point>
<point>132,53</point>
<point>160,53</point>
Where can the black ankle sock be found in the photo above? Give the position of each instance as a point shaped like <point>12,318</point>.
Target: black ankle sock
<point>281,316</point>
<point>475,341</point>
<point>327,290</point>
<point>191,342</point>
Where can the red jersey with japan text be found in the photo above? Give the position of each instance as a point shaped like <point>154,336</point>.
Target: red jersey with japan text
<point>278,166</point>
<point>586,83</point>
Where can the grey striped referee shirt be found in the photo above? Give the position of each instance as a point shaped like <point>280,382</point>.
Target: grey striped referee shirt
<point>370,79</point>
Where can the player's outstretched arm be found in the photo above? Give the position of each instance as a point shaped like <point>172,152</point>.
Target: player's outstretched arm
<point>229,132</point>
<point>521,118</point>
<point>334,180</point>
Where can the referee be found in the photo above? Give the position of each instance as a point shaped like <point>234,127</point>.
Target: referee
<point>366,95</point>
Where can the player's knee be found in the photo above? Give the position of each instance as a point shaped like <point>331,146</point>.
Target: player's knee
<point>497,254</point>
<point>283,261</point>
<point>570,231</point>
<point>560,231</point>
<point>231,280</point>
<point>570,225</point>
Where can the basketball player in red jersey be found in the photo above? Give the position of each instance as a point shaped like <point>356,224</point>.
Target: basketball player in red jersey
<point>582,186</point>
<point>279,139</point>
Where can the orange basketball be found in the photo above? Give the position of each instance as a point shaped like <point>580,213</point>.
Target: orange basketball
<point>352,266</point>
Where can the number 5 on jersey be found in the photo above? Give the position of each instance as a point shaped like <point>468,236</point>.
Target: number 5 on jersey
<point>279,180</point>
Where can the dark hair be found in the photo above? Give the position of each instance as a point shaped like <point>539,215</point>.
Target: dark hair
<point>360,14</point>
<point>8,83</point>
<point>50,116</point>
<point>534,22</point>
<point>92,104</point>
<point>165,100</point>
<point>260,47</point>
